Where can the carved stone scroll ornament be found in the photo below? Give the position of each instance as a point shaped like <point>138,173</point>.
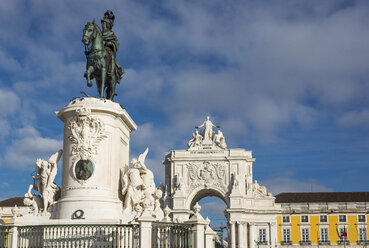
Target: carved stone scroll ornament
<point>206,174</point>
<point>86,133</point>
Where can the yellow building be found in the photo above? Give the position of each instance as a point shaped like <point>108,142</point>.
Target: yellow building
<point>323,219</point>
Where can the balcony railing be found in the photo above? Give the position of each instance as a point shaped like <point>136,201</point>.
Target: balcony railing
<point>289,242</point>
<point>262,242</point>
<point>363,242</point>
<point>171,235</point>
<point>324,242</point>
<point>343,242</point>
<point>306,242</point>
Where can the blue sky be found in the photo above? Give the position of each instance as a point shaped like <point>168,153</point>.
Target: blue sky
<point>288,80</point>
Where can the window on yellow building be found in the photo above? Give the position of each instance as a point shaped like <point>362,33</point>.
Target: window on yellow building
<point>286,235</point>
<point>305,237</point>
<point>362,234</point>
<point>361,218</point>
<point>304,218</point>
<point>323,218</point>
<point>286,219</point>
<point>324,235</point>
<point>342,218</point>
<point>343,234</point>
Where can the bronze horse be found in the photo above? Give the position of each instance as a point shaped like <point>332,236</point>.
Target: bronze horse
<point>99,62</point>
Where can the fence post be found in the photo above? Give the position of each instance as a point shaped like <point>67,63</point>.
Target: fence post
<point>209,236</point>
<point>198,228</point>
<point>145,221</point>
<point>12,240</point>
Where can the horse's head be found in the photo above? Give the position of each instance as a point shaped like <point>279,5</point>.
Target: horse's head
<point>89,33</point>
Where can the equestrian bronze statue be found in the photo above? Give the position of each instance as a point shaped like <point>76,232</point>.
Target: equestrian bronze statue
<point>101,49</point>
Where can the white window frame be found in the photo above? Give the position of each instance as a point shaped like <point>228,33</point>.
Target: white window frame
<point>321,239</point>
<point>305,234</point>
<point>339,218</point>
<point>262,235</point>
<point>320,219</point>
<point>302,218</point>
<point>358,218</point>
<point>287,217</point>
<point>340,232</point>
<point>286,232</point>
<point>362,234</point>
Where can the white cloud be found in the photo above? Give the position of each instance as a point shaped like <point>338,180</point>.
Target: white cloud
<point>9,102</point>
<point>24,150</point>
<point>8,63</point>
<point>355,119</point>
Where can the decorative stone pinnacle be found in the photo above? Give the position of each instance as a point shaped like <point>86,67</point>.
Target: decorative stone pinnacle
<point>196,208</point>
<point>166,211</point>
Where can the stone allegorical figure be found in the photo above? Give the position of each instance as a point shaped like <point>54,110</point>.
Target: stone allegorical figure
<point>33,200</point>
<point>138,190</point>
<point>137,183</point>
<point>196,140</point>
<point>220,140</point>
<point>235,181</point>
<point>133,186</point>
<point>208,129</point>
<point>258,190</point>
<point>44,179</point>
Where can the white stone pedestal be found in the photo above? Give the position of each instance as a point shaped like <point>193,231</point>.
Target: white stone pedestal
<point>96,146</point>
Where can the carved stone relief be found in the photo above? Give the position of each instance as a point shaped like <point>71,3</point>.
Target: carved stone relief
<point>206,174</point>
<point>86,133</point>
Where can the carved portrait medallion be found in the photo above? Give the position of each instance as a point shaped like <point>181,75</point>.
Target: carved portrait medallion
<point>83,169</point>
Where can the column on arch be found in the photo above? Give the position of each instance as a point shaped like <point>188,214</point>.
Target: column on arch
<point>233,234</point>
<point>252,240</point>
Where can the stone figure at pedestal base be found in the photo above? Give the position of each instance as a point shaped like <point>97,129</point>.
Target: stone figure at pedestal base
<point>138,189</point>
<point>44,183</point>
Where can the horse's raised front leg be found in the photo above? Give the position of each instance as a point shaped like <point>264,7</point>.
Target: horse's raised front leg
<point>89,71</point>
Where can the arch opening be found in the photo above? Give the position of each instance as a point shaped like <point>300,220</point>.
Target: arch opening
<point>208,192</point>
<point>213,207</point>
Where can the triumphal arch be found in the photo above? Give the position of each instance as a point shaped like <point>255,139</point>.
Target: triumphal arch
<point>209,168</point>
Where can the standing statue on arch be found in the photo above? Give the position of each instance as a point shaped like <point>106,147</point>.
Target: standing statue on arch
<point>101,56</point>
<point>208,133</point>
